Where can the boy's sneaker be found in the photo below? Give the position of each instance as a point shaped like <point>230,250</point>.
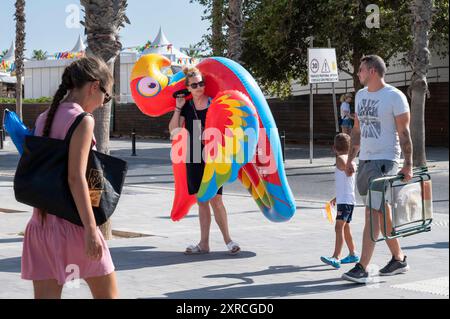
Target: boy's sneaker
<point>336,263</point>
<point>395,267</point>
<point>357,274</point>
<point>350,259</point>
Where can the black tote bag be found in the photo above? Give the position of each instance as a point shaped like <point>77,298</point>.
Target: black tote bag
<point>41,178</point>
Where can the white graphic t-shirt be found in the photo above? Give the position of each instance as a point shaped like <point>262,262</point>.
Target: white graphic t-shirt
<point>376,113</point>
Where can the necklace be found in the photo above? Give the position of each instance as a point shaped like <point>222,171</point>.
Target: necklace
<point>195,111</point>
<point>196,114</point>
<point>199,123</point>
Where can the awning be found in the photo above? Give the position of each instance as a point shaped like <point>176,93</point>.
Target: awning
<point>8,79</point>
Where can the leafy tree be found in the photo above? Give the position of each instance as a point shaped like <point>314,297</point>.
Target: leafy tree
<point>276,35</point>
<point>276,42</point>
<point>440,28</point>
<point>215,13</point>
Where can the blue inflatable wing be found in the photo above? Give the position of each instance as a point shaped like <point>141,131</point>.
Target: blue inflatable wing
<point>16,129</point>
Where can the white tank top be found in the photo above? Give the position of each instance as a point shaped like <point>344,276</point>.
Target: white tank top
<point>345,187</point>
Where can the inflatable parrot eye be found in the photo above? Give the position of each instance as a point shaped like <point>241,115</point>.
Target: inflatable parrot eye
<point>148,87</point>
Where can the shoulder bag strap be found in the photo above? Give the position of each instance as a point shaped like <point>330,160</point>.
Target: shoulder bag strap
<point>74,126</point>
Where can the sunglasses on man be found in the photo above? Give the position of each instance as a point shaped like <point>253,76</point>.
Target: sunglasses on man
<point>196,85</point>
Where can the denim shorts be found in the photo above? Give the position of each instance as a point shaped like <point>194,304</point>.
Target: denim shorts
<point>346,123</point>
<point>344,212</point>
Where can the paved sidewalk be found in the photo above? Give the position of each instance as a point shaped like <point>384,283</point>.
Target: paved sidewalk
<point>277,261</point>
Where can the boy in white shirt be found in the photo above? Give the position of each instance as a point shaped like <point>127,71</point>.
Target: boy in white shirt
<point>345,202</point>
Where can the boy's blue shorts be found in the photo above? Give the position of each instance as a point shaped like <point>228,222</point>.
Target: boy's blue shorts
<point>344,212</point>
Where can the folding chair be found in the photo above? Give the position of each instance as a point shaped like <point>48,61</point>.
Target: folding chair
<point>411,204</point>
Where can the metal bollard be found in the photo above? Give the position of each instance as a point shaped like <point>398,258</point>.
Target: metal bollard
<point>133,143</point>
<point>283,144</point>
<point>1,138</point>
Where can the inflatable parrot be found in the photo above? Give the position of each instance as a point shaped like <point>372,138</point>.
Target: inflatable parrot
<point>248,147</point>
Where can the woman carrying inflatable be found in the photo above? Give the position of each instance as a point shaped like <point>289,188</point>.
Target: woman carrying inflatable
<point>192,115</point>
<point>241,140</point>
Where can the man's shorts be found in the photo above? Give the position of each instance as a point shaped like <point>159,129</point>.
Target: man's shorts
<point>370,170</point>
<point>344,212</point>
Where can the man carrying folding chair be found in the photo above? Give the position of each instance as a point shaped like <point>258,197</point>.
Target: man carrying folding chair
<point>381,132</point>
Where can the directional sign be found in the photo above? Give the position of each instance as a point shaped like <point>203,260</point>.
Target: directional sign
<point>322,66</point>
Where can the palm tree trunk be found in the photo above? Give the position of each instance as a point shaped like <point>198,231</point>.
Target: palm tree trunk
<point>422,11</point>
<point>103,20</point>
<point>217,37</point>
<point>102,122</point>
<point>235,26</point>
<point>19,53</point>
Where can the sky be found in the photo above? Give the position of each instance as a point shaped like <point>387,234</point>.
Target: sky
<point>47,28</point>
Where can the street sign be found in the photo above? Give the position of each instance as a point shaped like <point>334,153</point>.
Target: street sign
<point>322,66</point>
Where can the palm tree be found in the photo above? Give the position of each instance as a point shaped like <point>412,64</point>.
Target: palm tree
<point>193,51</point>
<point>235,25</point>
<point>217,23</point>
<point>422,12</point>
<point>19,53</point>
<point>103,20</point>
<point>39,55</point>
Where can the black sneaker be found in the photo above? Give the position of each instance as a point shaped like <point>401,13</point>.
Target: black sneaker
<point>395,267</point>
<point>357,274</point>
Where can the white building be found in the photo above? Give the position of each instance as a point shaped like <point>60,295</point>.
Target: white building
<point>42,78</point>
<point>7,80</point>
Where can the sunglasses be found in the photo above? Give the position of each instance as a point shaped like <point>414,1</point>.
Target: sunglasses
<point>196,85</point>
<point>108,97</point>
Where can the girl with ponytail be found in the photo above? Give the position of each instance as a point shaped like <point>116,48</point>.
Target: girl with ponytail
<point>56,251</point>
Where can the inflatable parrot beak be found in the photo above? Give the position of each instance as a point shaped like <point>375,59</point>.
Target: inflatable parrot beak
<point>152,90</point>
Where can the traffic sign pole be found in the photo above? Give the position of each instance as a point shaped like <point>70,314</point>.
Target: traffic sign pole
<point>336,121</point>
<point>311,116</point>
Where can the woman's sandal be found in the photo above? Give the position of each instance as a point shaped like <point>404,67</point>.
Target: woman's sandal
<point>233,248</point>
<point>195,250</point>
